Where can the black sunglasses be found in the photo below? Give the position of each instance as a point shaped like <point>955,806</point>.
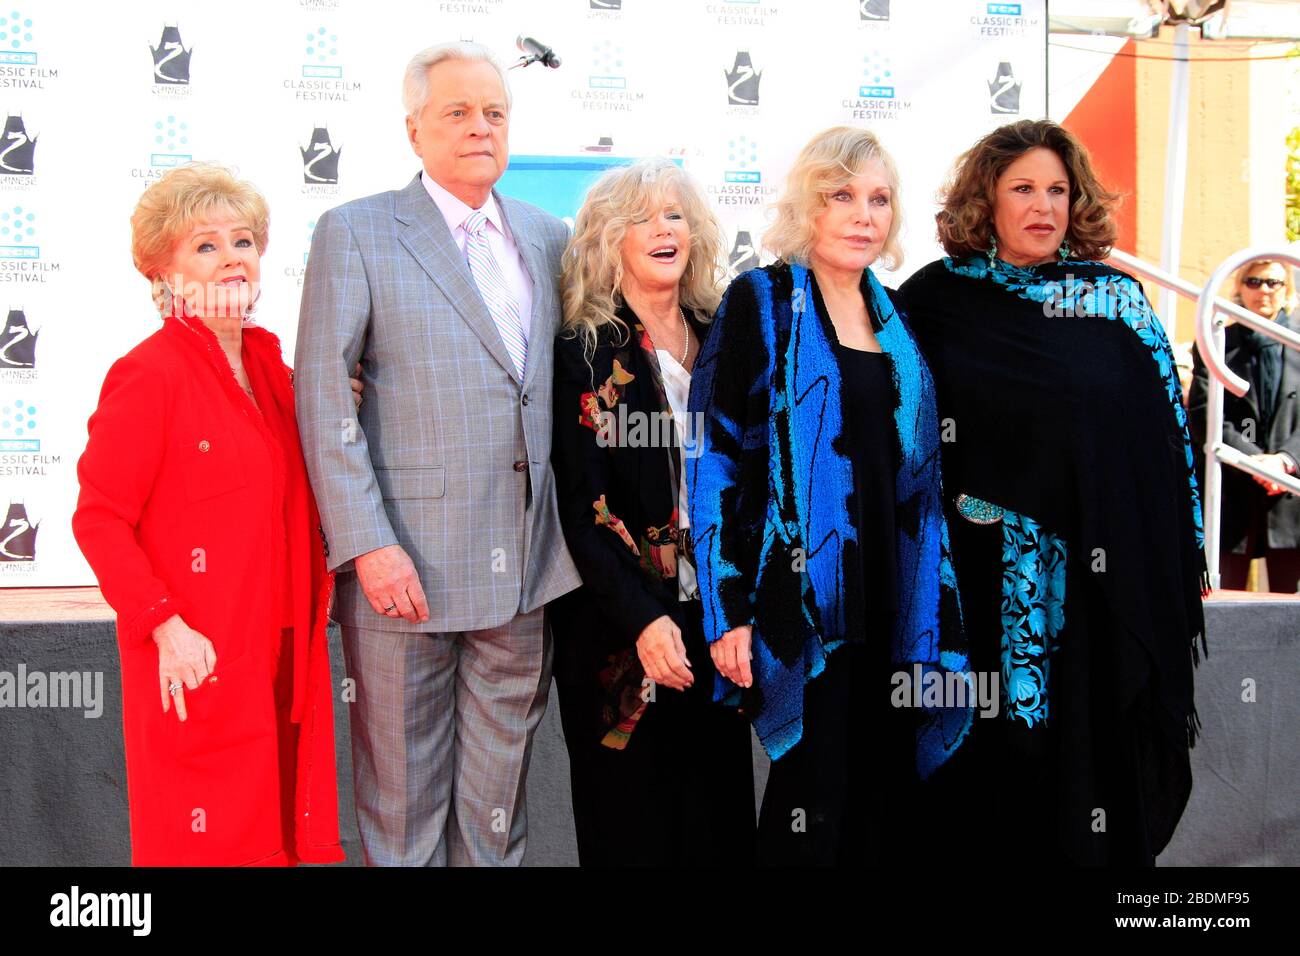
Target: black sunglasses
<point>1254,282</point>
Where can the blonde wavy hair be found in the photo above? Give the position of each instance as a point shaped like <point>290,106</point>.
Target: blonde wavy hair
<point>180,199</point>
<point>593,261</point>
<point>826,164</point>
<point>965,221</point>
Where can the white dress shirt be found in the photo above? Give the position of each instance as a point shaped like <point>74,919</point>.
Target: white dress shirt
<point>677,389</point>
<point>499,240</point>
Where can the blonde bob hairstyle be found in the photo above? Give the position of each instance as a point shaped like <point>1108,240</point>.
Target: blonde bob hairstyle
<point>965,221</point>
<point>825,165</point>
<point>593,262</point>
<point>181,199</point>
<point>1239,278</point>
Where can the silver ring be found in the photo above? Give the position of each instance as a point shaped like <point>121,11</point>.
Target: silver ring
<point>391,607</point>
<point>173,687</point>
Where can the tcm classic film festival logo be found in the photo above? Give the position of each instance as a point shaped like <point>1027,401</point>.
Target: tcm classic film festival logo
<point>480,8</point>
<point>608,88</point>
<point>18,427</point>
<point>321,78</point>
<point>20,63</point>
<point>297,271</point>
<point>168,144</point>
<point>21,456</point>
<point>742,177</point>
<point>20,250</point>
<point>171,64</point>
<point>880,94</point>
<point>742,13</point>
<point>994,20</point>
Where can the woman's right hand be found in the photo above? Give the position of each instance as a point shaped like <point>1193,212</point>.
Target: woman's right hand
<point>663,655</point>
<point>185,657</point>
<point>731,655</point>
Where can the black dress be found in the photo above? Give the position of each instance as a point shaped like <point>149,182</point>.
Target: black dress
<point>828,799</point>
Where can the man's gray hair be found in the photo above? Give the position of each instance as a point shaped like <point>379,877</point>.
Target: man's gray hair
<point>415,88</point>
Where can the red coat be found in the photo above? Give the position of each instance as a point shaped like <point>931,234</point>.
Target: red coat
<point>194,502</point>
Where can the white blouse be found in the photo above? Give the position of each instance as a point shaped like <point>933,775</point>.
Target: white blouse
<point>677,389</point>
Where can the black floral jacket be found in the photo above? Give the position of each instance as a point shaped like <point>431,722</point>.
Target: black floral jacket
<point>617,460</point>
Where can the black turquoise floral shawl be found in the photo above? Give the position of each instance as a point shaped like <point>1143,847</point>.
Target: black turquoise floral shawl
<point>1059,386</point>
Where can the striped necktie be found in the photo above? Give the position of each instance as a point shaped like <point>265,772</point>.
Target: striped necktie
<point>501,304</point>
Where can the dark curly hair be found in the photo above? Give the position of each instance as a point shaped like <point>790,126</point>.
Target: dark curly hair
<point>965,220</point>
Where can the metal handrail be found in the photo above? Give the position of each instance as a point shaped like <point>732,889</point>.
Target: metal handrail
<point>1193,292</point>
<point>1210,312</point>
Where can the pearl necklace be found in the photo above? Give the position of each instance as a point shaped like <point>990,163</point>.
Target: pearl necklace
<point>687,329</point>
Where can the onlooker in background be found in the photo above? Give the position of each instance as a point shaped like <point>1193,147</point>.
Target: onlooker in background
<point>1258,519</point>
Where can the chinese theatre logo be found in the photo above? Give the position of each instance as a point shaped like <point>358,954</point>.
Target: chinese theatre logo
<point>1004,90</point>
<point>320,159</point>
<point>17,149</point>
<point>742,81</point>
<point>17,343</point>
<point>171,59</point>
<point>18,536</point>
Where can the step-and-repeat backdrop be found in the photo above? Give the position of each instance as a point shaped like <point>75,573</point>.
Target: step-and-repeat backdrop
<point>303,97</point>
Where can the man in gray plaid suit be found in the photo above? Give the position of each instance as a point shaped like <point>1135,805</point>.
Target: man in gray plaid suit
<point>438,505</point>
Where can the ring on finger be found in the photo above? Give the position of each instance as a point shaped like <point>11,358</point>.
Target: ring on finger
<point>391,607</point>
<point>173,687</point>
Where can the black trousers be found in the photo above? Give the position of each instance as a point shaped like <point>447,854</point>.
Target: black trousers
<point>682,791</point>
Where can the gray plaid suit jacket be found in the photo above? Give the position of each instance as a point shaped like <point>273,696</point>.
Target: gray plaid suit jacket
<point>448,456</point>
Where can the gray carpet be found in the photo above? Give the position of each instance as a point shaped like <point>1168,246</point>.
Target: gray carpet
<point>63,787</point>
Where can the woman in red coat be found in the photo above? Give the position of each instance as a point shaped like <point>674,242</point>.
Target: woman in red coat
<point>196,516</point>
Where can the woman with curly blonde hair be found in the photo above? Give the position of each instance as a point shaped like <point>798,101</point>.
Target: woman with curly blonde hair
<point>1073,507</point>
<point>653,761</point>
